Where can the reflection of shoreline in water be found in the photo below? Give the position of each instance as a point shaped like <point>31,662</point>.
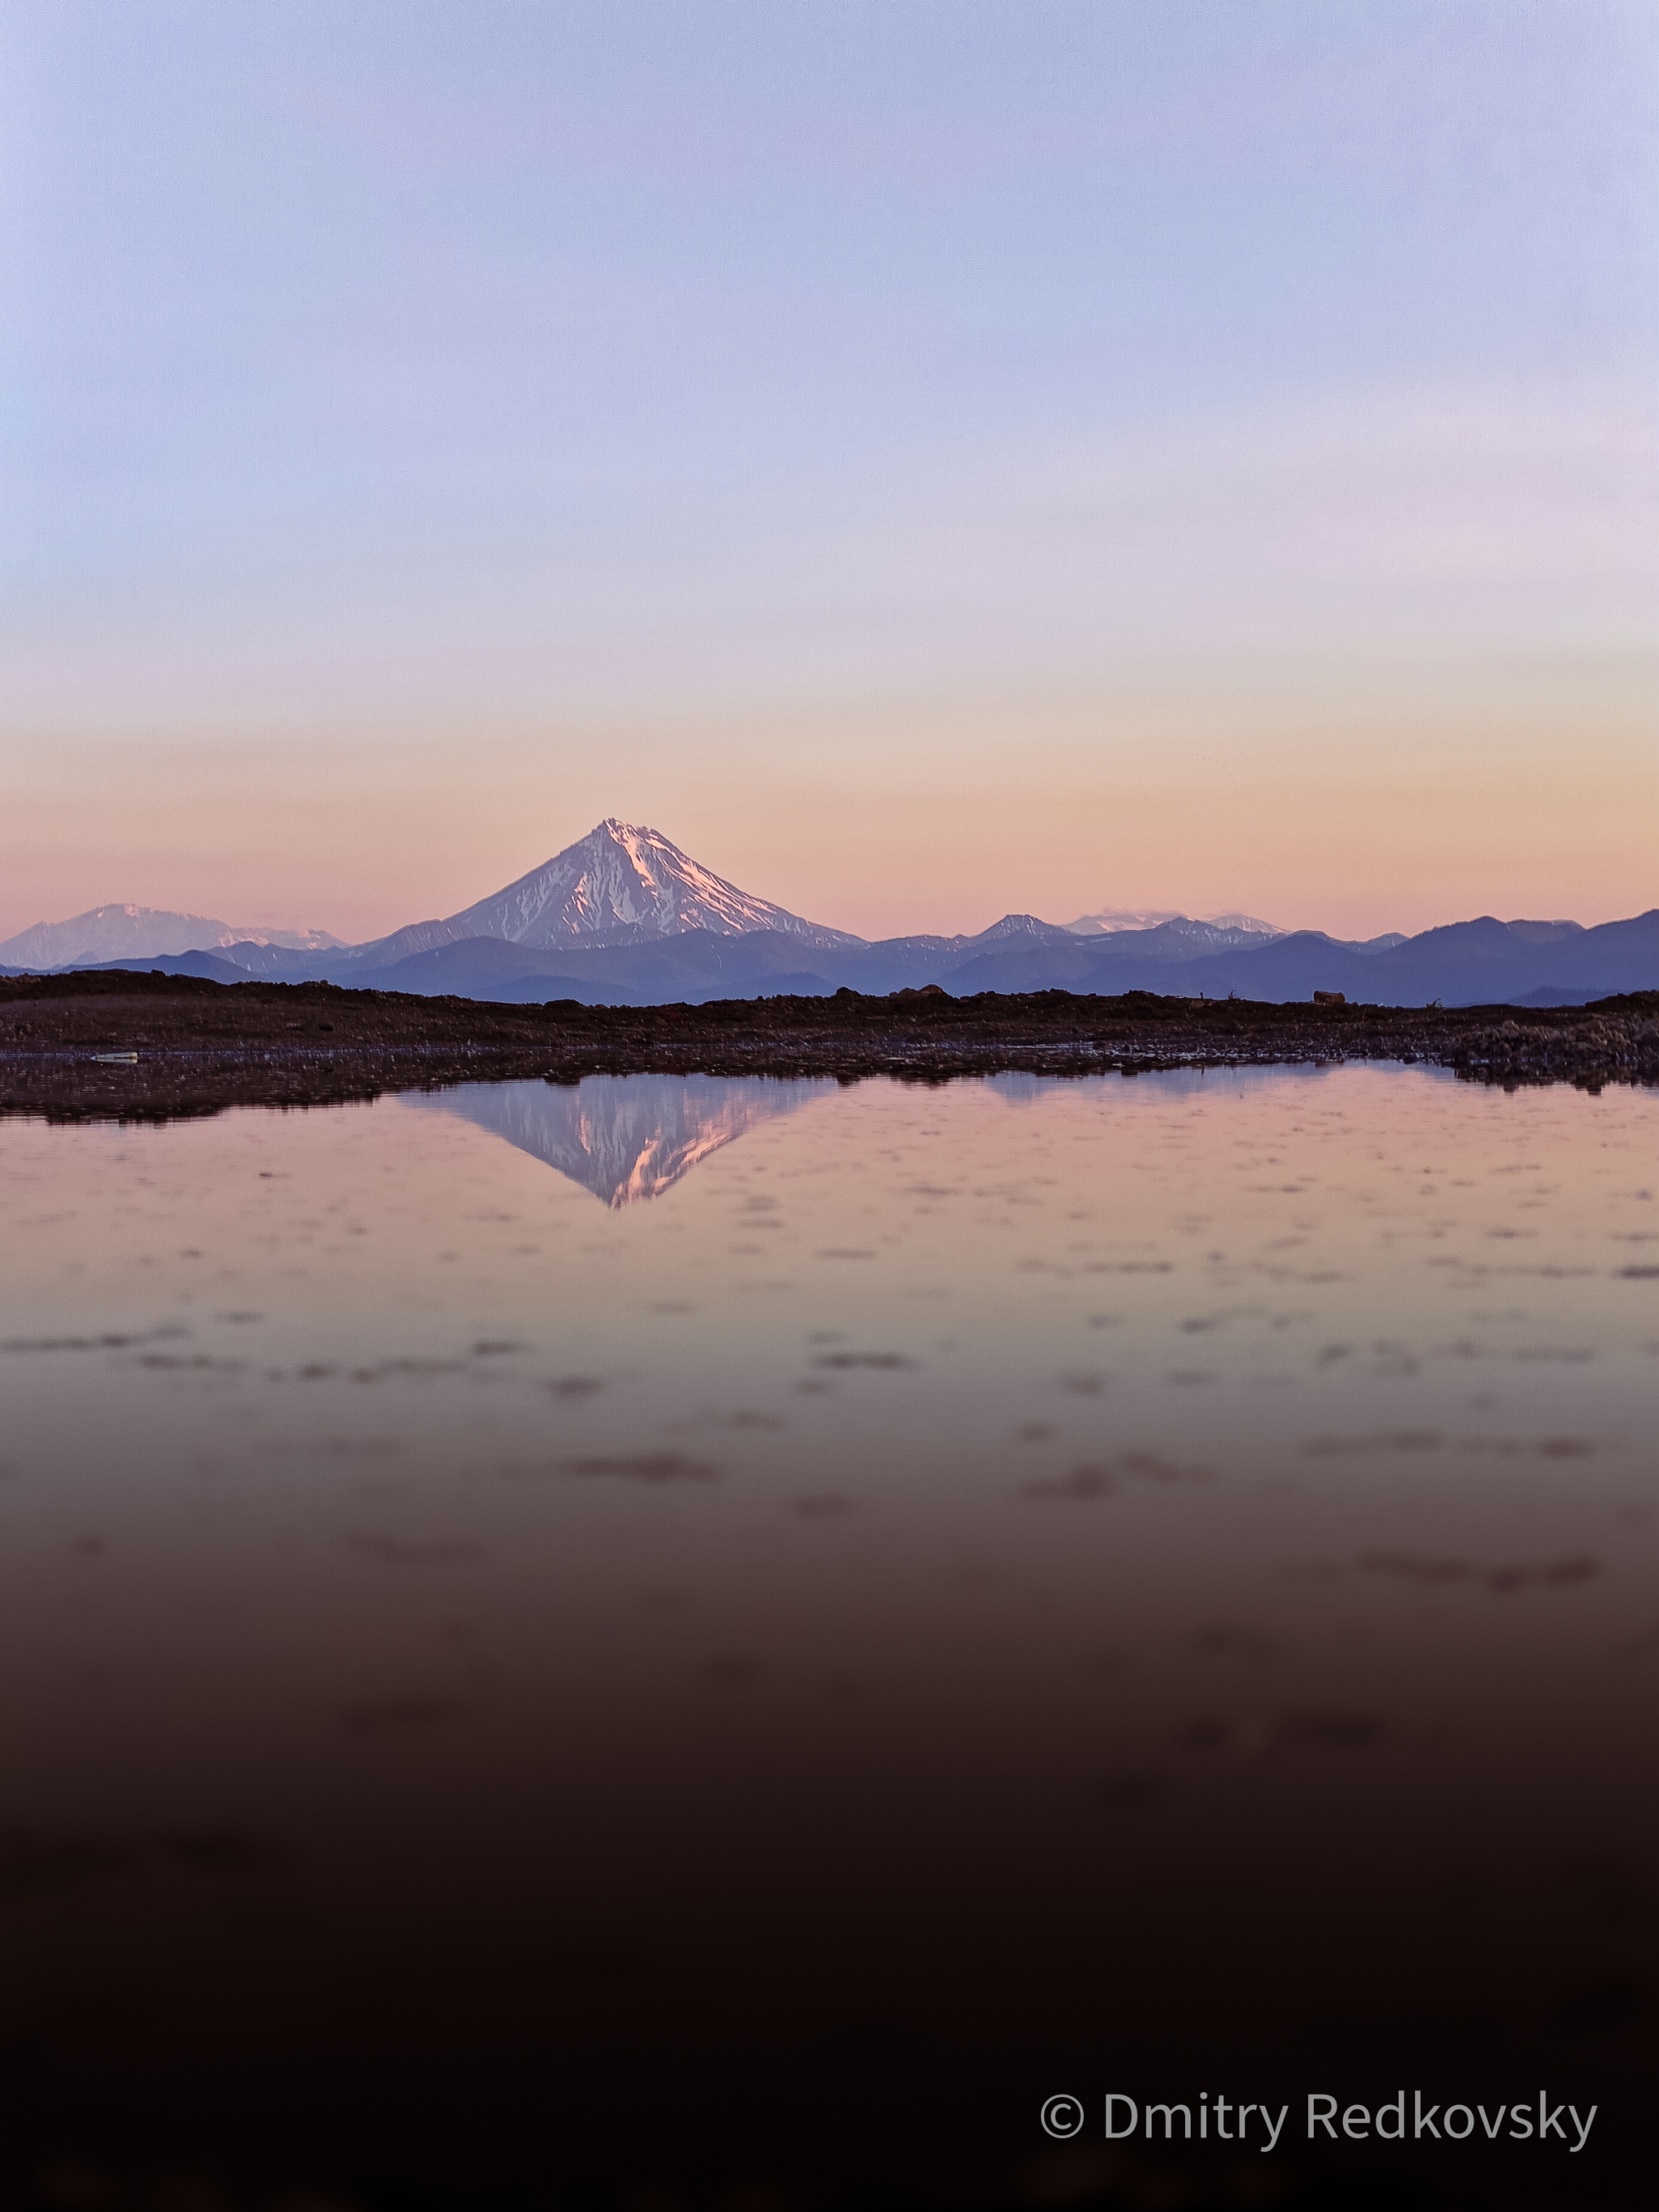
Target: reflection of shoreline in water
<point>625,1138</point>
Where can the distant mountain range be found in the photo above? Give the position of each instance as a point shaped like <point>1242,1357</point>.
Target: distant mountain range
<point>623,917</point>
<point>1109,920</point>
<point>140,932</point>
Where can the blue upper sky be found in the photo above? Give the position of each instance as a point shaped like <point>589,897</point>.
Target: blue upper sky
<point>369,319</point>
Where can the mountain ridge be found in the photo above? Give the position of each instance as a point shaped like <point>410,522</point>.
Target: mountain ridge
<point>625,916</point>
<point>1480,962</point>
<point>108,931</point>
<point>1112,921</point>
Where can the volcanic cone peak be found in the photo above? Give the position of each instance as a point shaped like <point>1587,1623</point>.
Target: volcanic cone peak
<point>620,884</point>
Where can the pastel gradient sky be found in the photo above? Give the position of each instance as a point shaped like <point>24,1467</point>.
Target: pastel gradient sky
<point>929,459</point>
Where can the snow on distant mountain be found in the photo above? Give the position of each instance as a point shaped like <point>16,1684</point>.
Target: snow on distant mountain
<point>1544,932</point>
<point>622,882</point>
<point>1248,925</point>
<point>1191,940</point>
<point>1019,928</point>
<point>624,917</point>
<point>621,885</point>
<point>1109,920</point>
<point>142,933</point>
<point>297,940</point>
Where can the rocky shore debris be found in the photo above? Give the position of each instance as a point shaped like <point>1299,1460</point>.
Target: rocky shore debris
<point>134,1047</point>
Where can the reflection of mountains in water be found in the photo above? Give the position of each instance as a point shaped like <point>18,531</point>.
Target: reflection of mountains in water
<point>623,1137</point>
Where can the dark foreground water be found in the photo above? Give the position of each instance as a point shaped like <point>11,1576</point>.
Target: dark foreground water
<point>696,1643</point>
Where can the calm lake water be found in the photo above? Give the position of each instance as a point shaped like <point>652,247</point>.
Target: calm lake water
<point>688,1634</point>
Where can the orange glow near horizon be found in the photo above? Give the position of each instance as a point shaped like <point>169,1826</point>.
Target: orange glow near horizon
<point>1350,801</point>
<point>1139,456</point>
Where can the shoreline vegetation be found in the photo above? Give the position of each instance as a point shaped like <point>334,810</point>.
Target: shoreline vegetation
<point>201,1047</point>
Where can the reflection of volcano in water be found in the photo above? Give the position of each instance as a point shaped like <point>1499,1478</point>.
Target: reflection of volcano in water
<point>624,1137</point>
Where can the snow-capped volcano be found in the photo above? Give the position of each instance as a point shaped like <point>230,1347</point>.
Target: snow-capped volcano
<point>621,885</point>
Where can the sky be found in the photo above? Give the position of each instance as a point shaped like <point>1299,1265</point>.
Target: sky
<point>931,460</point>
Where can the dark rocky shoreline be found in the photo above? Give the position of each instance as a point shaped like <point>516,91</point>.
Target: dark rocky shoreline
<point>202,1047</point>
